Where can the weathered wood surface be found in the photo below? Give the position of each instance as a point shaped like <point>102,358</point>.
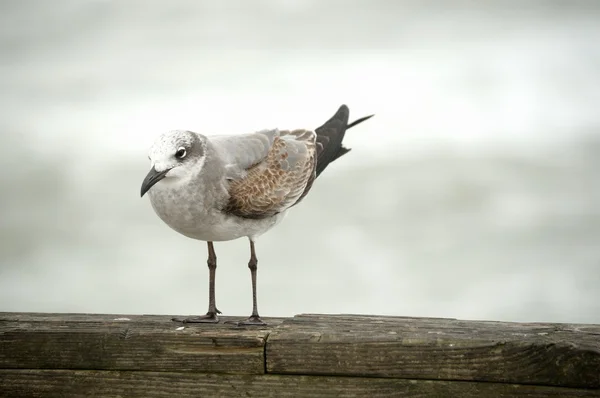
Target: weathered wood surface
<point>128,342</point>
<point>308,355</point>
<point>437,349</point>
<point>93,383</point>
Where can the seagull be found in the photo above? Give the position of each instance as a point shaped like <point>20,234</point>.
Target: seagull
<point>224,187</point>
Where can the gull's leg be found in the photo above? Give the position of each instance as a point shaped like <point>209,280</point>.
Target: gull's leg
<point>252,264</point>
<point>211,315</point>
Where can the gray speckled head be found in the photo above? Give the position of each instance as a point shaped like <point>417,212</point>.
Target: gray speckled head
<point>177,151</point>
<point>176,157</point>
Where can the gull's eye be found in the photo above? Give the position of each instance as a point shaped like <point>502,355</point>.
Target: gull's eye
<point>180,154</point>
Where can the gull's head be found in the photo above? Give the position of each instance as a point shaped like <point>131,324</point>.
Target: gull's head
<point>174,155</point>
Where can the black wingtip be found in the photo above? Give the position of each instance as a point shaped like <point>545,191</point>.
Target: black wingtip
<point>357,121</point>
<point>342,151</point>
<point>342,113</point>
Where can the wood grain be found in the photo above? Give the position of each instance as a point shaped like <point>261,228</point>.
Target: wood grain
<point>111,342</point>
<point>69,383</point>
<point>308,355</point>
<point>437,349</point>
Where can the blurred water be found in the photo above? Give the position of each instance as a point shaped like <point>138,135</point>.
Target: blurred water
<point>473,193</point>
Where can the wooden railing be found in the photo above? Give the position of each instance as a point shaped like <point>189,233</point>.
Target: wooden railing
<point>89,355</point>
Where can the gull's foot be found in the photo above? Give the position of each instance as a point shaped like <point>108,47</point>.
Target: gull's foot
<point>254,320</point>
<point>210,317</point>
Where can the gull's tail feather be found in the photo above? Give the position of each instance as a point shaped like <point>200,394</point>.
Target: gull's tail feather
<point>329,142</point>
<point>357,121</point>
<point>330,136</point>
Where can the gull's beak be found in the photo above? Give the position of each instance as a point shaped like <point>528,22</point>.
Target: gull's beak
<point>152,178</point>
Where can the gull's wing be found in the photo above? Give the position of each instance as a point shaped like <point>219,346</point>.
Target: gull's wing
<point>240,152</point>
<point>267,171</point>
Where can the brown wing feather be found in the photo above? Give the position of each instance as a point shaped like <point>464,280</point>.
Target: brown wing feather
<point>277,182</point>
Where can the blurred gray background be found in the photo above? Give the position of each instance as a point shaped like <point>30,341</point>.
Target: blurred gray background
<point>473,193</point>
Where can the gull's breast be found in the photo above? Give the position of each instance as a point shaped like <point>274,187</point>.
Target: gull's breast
<point>195,220</point>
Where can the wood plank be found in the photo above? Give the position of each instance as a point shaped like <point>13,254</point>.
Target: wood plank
<point>69,383</point>
<point>437,349</point>
<point>129,342</point>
